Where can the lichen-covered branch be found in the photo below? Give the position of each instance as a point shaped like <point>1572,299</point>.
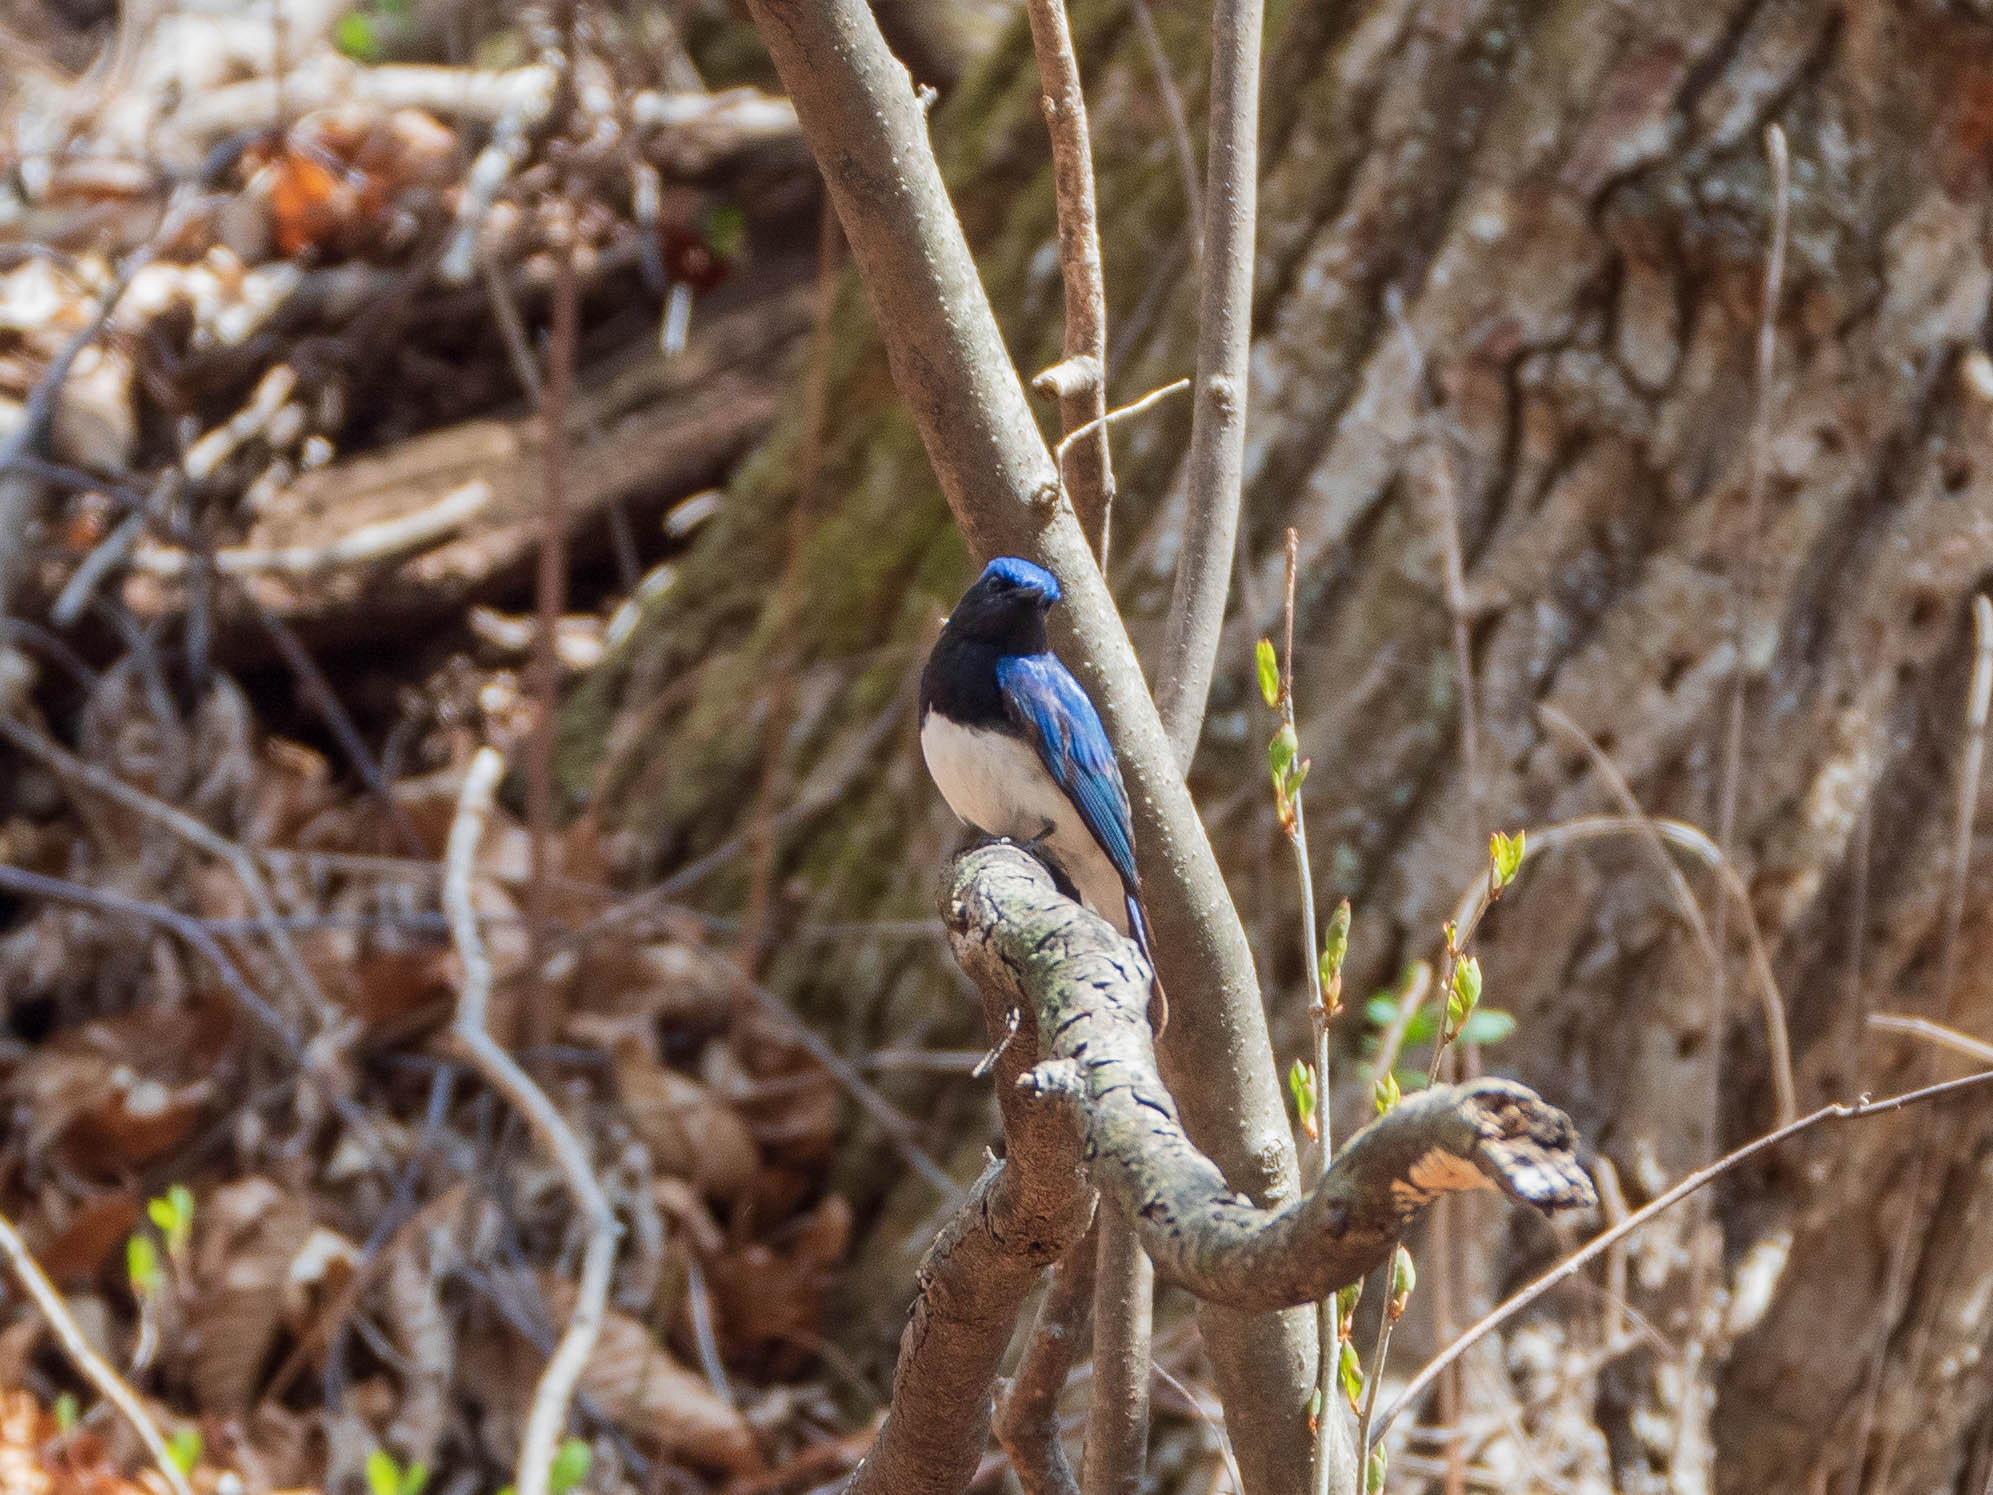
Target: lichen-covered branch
<point>1015,934</point>
<point>1023,1214</point>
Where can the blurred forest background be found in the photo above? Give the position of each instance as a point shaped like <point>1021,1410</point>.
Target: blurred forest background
<point>334,342</point>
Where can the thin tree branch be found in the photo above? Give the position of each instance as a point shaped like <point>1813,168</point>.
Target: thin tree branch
<point>1117,1424</point>
<point>1173,111</point>
<point>1136,407</point>
<point>1334,1463</point>
<point>1215,468</point>
<point>1080,379</point>
<point>1027,1415</point>
<point>1937,1033</point>
<point>859,115</point>
<point>547,1419</point>
<point>1604,1242</point>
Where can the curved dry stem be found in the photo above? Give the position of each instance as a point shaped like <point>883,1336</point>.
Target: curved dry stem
<point>1600,1244</point>
<point>93,1367</point>
<point>547,1419</point>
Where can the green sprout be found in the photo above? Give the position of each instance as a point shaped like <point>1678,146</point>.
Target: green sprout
<point>1386,1093</point>
<point>1465,994</point>
<point>1373,1474</point>
<point>68,1412</point>
<point>1269,673</point>
<point>1301,1086</point>
<point>184,1449</point>
<point>570,1466</point>
<point>1335,946</point>
<point>1505,853</point>
<point>1404,1277</point>
<point>142,1265</point>
<point>385,1476</point>
<point>1350,1369</point>
<point>173,1214</point>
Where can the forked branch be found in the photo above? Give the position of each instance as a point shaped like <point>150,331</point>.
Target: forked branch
<point>1017,936</point>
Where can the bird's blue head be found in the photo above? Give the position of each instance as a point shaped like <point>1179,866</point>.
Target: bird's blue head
<point>1007,605</point>
<point>1010,572</point>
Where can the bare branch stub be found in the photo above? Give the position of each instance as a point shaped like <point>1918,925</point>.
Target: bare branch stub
<point>1015,934</point>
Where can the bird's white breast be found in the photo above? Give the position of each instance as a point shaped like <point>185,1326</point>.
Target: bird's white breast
<point>995,782</point>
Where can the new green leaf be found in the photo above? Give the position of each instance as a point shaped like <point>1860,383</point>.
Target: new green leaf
<point>570,1466</point>
<point>1269,672</point>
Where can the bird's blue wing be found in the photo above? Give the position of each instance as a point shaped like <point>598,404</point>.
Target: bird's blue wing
<point>1043,698</point>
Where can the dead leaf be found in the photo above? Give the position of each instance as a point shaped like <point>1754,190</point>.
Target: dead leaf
<point>250,1233</point>
<point>691,1133</point>
<point>637,1381</point>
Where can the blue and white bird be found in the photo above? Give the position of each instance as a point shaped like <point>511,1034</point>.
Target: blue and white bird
<point>1017,749</point>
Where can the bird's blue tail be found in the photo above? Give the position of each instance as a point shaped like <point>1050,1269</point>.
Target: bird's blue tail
<point>1138,927</point>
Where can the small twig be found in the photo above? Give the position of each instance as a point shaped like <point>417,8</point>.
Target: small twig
<point>705,1335</point>
<point>193,931</point>
<point>92,1366</point>
<point>1179,123</point>
<point>1082,399</point>
<point>1328,1312</point>
<point>1027,1415</point>
<point>1602,1243</point>
<point>550,601</point>
<point>1214,469</point>
<point>1968,798</point>
<point>1080,433</point>
<point>512,332</point>
<point>548,1418</point>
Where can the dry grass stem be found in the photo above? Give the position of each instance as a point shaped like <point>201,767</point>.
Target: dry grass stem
<point>1937,1033</point>
<point>549,602</point>
<point>89,1364</point>
<point>1771,999</point>
<point>1179,125</point>
<point>547,1420</point>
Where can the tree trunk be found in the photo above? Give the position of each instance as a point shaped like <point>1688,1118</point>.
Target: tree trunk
<point>1572,201</point>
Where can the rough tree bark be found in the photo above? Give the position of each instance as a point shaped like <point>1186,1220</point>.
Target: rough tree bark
<point>1571,199</point>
